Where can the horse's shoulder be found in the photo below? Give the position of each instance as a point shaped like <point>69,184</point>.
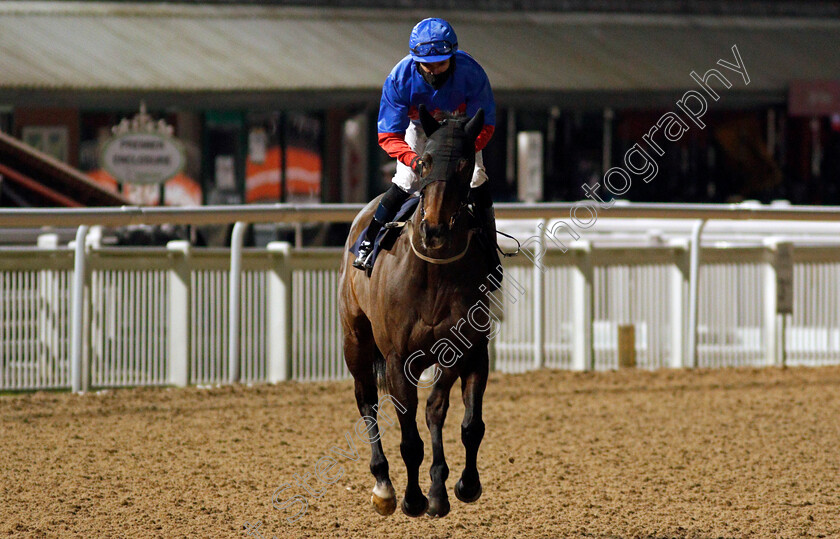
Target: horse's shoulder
<point>363,217</point>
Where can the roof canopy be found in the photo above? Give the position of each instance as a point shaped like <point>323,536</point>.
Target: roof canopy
<point>96,48</point>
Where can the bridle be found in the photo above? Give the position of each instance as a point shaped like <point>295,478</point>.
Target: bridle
<point>452,220</point>
<point>430,259</point>
<point>455,215</point>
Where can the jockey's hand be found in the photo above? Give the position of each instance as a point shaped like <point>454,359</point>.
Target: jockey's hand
<point>418,166</point>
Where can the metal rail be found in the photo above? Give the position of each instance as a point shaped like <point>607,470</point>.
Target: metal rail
<point>344,213</point>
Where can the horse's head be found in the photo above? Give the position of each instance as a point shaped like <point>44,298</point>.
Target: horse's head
<point>445,183</point>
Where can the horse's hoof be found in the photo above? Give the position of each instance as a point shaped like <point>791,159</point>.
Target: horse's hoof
<point>384,506</point>
<point>438,508</point>
<point>415,511</point>
<point>464,495</point>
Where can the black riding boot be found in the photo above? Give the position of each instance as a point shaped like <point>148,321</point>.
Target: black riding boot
<point>487,220</point>
<point>385,213</point>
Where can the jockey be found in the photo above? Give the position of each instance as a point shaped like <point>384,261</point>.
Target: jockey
<point>444,79</point>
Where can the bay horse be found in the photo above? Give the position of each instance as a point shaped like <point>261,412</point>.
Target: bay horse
<point>419,295</point>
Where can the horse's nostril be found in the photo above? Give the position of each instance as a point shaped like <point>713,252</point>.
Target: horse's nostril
<point>434,231</point>
<point>433,235</point>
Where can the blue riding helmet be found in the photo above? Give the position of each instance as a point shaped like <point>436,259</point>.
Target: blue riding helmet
<point>432,40</point>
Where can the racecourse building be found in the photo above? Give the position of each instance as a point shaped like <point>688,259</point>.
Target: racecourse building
<point>275,101</point>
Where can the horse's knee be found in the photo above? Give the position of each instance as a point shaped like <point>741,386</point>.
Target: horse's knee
<point>412,451</point>
<point>435,412</point>
<point>472,433</point>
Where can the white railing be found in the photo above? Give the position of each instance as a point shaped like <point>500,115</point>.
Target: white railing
<point>151,316</point>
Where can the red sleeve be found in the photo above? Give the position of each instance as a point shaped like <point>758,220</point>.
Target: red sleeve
<point>483,137</point>
<point>396,146</point>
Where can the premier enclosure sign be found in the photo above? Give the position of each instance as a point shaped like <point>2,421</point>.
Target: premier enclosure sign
<point>143,158</point>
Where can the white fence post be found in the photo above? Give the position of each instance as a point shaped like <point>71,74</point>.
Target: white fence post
<point>180,323</point>
<point>279,312</point>
<point>79,371</point>
<point>539,300</point>
<point>694,292</point>
<point>678,286</point>
<point>235,303</point>
<point>778,277</point>
<point>583,357</point>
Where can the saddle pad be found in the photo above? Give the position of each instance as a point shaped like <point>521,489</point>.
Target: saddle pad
<point>387,236</point>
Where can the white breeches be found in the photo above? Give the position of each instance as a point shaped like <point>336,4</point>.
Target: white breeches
<point>408,181</point>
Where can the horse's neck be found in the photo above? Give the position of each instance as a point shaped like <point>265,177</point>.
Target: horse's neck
<point>437,289</point>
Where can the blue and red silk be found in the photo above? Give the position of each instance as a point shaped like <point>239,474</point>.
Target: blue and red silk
<point>466,91</point>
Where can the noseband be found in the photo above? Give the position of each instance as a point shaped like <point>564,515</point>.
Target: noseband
<point>431,260</point>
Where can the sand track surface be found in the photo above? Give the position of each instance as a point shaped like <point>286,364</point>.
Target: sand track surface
<point>724,453</point>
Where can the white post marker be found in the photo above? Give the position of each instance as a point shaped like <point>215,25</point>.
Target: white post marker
<point>79,382</point>
<point>583,358</point>
<point>539,300</point>
<point>778,297</point>
<point>693,293</point>
<point>280,312</point>
<point>235,284</point>
<point>180,323</point>
<point>678,285</point>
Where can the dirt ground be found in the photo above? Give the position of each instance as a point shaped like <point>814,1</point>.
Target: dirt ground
<point>724,453</point>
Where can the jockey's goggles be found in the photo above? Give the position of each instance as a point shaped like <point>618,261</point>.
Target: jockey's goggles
<point>434,48</point>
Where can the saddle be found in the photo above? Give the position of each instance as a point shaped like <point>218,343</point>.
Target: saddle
<point>387,236</point>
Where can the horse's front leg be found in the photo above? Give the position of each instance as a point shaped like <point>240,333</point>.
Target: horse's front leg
<point>473,383</point>
<point>359,354</point>
<point>436,408</point>
<point>384,498</point>
<point>414,503</point>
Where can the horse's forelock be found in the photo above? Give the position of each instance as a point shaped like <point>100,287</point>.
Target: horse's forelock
<point>452,127</point>
<point>451,119</point>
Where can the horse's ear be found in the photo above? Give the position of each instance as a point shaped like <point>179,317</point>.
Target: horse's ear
<point>430,125</point>
<point>474,126</point>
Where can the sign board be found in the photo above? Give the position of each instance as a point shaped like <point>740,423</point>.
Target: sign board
<point>257,145</point>
<point>814,98</point>
<point>143,158</point>
<point>225,172</point>
<point>354,159</point>
<point>52,140</point>
<point>529,174</point>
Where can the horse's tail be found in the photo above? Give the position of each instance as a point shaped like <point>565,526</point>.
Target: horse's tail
<point>379,369</point>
